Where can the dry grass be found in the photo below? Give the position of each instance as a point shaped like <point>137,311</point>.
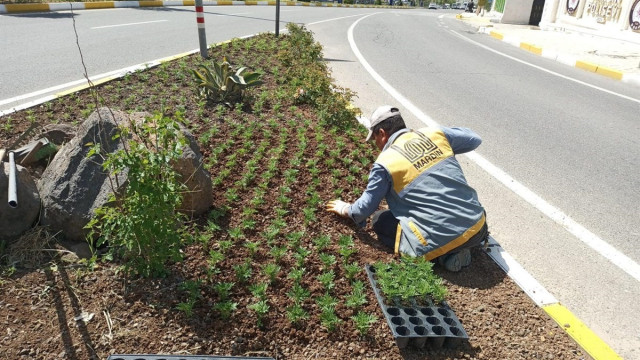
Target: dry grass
<point>31,250</point>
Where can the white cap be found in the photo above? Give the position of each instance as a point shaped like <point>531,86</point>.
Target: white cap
<point>381,114</point>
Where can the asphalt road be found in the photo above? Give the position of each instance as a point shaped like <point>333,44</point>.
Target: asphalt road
<point>571,147</point>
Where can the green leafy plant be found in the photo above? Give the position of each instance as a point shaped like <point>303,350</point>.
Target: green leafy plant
<point>225,308</point>
<point>259,290</point>
<point>222,84</point>
<point>261,308</point>
<point>223,290</point>
<point>193,294</point>
<point>141,225</point>
<point>328,260</point>
<point>298,293</point>
<point>329,319</point>
<point>351,270</point>
<point>278,253</point>
<point>252,246</point>
<point>326,279</point>
<point>409,278</point>
<point>321,242</point>
<point>243,271</point>
<point>357,297</point>
<point>363,321</point>
<point>271,270</point>
<point>296,274</point>
<point>296,314</point>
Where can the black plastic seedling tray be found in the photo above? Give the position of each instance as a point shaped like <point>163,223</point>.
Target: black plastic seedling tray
<point>180,357</point>
<point>420,323</point>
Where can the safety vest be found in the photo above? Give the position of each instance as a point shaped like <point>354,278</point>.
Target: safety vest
<point>436,208</point>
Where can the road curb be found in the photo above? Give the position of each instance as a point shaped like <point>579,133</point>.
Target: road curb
<point>571,324</point>
<point>565,59</point>
<point>25,8</point>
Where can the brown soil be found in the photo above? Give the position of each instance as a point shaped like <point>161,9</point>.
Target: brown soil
<point>54,307</point>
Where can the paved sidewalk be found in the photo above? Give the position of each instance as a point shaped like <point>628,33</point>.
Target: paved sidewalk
<point>616,58</point>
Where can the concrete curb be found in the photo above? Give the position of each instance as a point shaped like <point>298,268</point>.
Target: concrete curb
<point>24,8</point>
<point>633,79</point>
<point>579,332</point>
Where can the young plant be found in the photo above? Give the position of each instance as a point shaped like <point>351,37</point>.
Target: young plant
<point>296,274</point>
<point>259,290</point>
<point>271,270</point>
<point>328,260</point>
<point>357,297</point>
<point>351,270</point>
<point>322,242</point>
<point>223,290</point>
<point>329,319</point>
<point>363,322</point>
<point>243,272</point>
<point>326,279</point>
<point>298,293</point>
<point>296,314</point>
<point>278,253</point>
<point>252,246</point>
<point>225,308</point>
<point>409,278</point>
<point>326,302</point>
<point>224,245</point>
<point>294,238</point>
<point>193,294</point>
<point>261,308</point>
<point>215,257</point>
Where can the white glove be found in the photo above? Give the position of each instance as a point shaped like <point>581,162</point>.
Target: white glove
<point>339,207</point>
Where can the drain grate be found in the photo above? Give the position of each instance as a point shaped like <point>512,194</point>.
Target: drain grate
<point>420,322</point>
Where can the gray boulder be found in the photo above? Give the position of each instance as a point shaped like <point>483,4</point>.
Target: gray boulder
<point>57,133</point>
<point>74,186</point>
<point>16,221</point>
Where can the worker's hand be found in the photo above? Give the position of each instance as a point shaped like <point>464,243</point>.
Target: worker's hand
<point>339,207</point>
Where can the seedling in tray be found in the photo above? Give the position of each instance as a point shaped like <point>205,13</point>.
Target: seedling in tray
<point>412,299</point>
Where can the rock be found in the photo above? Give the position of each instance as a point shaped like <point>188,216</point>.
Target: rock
<point>57,133</point>
<point>16,221</point>
<point>73,186</point>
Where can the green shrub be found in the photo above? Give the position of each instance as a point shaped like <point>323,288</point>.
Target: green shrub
<point>141,225</point>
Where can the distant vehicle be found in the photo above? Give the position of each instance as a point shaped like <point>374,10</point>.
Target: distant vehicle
<point>433,6</point>
<point>447,6</point>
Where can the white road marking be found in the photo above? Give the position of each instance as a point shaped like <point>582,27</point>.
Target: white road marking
<point>603,248</point>
<point>546,70</point>
<point>339,18</point>
<point>128,24</point>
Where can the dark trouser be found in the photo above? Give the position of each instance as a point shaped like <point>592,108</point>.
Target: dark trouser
<point>385,225</point>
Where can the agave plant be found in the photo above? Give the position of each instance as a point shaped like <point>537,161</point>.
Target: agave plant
<point>222,84</point>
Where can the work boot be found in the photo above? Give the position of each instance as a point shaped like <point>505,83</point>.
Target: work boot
<point>455,261</point>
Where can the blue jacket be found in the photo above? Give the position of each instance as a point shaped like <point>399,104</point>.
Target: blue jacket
<point>425,188</point>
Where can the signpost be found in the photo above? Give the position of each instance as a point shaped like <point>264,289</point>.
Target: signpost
<point>202,35</point>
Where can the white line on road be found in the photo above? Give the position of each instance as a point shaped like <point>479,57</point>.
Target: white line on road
<point>546,70</point>
<point>620,260</point>
<point>339,18</point>
<point>128,24</point>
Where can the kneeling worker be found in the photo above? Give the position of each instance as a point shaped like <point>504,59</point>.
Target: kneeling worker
<point>433,212</point>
